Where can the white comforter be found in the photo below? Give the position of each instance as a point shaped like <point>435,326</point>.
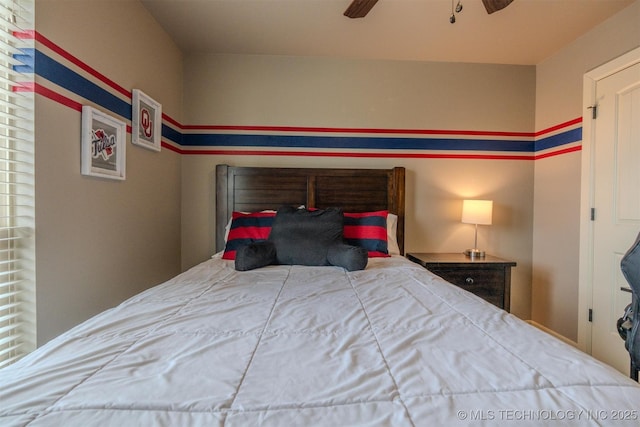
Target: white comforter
<point>391,345</point>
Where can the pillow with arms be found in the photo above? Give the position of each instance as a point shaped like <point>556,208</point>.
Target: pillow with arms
<point>313,237</point>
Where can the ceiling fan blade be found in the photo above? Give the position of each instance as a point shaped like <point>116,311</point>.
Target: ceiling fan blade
<point>495,5</point>
<point>359,8</point>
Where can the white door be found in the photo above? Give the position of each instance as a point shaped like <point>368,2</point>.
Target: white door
<point>617,207</point>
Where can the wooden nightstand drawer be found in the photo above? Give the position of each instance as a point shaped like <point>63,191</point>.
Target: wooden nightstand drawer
<point>488,278</point>
<point>487,284</point>
<point>471,278</point>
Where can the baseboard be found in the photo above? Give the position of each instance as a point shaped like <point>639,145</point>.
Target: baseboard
<point>552,332</point>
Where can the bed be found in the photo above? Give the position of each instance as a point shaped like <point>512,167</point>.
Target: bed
<point>294,345</point>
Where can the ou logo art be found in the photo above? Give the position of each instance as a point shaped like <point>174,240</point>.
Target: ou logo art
<point>146,124</point>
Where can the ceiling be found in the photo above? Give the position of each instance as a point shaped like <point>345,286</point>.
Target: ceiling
<point>526,32</point>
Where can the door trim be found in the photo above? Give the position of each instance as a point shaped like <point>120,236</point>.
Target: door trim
<point>585,269</point>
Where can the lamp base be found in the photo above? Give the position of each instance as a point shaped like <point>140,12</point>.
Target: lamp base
<point>474,253</point>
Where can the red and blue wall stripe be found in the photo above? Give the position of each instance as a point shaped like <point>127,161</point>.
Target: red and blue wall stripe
<point>92,86</point>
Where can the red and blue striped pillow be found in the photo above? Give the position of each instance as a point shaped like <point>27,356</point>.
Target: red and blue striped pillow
<point>247,228</point>
<point>369,230</point>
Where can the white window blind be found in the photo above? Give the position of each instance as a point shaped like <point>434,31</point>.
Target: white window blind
<point>17,237</point>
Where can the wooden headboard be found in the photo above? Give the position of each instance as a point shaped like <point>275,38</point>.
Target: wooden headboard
<point>251,189</point>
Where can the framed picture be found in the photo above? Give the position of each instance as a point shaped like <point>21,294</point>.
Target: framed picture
<point>103,144</point>
<point>146,123</point>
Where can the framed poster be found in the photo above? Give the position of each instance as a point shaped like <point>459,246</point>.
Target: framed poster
<point>146,123</point>
<point>103,144</point>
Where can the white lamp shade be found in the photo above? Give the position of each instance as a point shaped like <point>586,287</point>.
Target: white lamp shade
<point>477,211</point>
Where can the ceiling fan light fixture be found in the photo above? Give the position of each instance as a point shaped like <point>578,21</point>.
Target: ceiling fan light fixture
<point>457,9</point>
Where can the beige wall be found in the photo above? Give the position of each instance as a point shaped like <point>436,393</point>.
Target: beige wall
<point>263,90</point>
<point>100,241</point>
<point>559,81</point>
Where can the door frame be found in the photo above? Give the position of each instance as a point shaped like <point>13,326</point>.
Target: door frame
<point>585,269</point>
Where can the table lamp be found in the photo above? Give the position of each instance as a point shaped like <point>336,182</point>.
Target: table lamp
<point>477,212</point>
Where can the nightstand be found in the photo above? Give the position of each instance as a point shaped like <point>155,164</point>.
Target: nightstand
<point>488,277</point>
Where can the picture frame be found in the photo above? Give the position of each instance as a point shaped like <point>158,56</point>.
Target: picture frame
<point>103,145</point>
<point>146,123</point>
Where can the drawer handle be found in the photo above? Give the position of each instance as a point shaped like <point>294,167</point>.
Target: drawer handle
<point>469,280</point>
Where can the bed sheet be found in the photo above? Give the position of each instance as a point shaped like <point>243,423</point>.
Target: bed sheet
<point>391,345</point>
